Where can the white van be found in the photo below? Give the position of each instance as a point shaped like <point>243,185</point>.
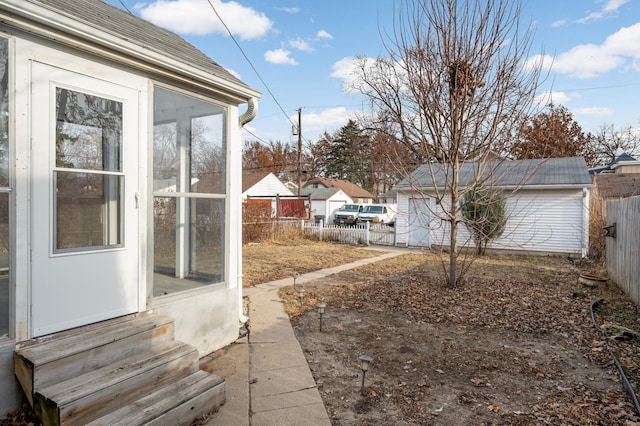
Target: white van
<point>378,213</point>
<point>347,214</point>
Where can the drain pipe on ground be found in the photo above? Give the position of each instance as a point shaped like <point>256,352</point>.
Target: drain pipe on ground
<point>625,380</point>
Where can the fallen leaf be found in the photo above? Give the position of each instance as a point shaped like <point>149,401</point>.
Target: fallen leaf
<point>494,407</point>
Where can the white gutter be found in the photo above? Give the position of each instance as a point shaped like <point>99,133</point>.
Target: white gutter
<point>504,187</point>
<point>89,39</point>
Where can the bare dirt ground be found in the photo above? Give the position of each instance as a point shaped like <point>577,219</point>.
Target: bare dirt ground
<point>514,345</point>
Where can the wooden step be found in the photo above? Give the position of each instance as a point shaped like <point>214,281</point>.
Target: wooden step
<point>98,392</point>
<point>177,403</point>
<point>60,357</point>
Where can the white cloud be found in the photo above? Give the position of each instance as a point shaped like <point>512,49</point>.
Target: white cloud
<point>610,7</point>
<point>350,69</point>
<point>324,34</point>
<point>279,56</point>
<point>328,120</point>
<point>557,98</point>
<point>559,23</point>
<point>343,68</point>
<point>300,44</point>
<point>591,60</point>
<point>196,17</point>
<point>234,73</point>
<point>594,112</point>
<point>291,10</point>
<point>625,42</point>
<point>249,132</point>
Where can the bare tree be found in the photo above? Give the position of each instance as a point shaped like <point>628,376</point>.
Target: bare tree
<point>607,140</point>
<point>452,88</point>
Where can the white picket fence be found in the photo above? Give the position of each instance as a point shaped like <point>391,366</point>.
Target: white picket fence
<point>366,234</point>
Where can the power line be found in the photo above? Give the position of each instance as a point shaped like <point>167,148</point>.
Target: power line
<point>249,61</point>
<point>616,86</point>
<point>125,7</point>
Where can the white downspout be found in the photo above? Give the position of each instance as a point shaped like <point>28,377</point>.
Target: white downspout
<point>586,205</point>
<point>249,114</point>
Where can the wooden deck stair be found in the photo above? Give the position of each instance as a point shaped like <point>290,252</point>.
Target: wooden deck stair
<point>127,371</point>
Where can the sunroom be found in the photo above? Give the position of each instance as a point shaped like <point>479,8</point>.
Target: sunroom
<point>120,171</point>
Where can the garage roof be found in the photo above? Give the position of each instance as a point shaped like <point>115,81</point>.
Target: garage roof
<point>553,172</point>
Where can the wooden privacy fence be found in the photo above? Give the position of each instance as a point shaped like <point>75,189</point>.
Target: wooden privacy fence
<point>366,234</point>
<point>623,249</point>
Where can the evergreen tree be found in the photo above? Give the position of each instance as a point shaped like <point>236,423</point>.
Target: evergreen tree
<point>484,213</point>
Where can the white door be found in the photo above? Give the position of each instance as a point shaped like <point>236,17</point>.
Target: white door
<point>84,200</point>
<point>419,222</point>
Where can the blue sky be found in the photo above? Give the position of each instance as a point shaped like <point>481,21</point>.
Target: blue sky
<point>303,49</point>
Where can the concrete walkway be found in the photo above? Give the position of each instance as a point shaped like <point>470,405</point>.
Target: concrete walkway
<point>268,380</point>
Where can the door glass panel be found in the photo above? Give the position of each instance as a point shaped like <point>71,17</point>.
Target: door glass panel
<point>88,176</point>
<point>88,210</point>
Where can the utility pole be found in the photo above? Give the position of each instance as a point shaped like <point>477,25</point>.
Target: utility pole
<point>299,152</point>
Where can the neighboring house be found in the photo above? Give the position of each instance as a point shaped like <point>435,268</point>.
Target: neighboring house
<point>357,194</point>
<point>267,188</point>
<point>547,205</point>
<point>324,201</point>
<point>619,179</point>
<point>263,185</point>
<point>622,163</point>
<point>109,203</point>
<point>613,186</point>
<point>389,197</point>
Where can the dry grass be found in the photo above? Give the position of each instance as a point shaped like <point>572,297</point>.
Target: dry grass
<point>273,260</point>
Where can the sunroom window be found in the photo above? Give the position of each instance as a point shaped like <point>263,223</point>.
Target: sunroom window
<point>189,189</point>
<point>4,188</point>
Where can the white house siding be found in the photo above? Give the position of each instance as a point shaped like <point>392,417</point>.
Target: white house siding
<point>325,207</point>
<point>270,186</point>
<point>549,220</point>
<point>207,317</point>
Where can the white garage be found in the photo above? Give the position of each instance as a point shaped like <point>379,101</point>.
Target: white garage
<point>547,205</point>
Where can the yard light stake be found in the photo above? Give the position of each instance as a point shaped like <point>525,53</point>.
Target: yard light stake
<point>300,294</point>
<point>321,307</point>
<point>365,360</point>
<point>295,277</point>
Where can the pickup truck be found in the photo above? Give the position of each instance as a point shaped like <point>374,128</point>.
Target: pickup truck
<point>347,214</point>
<point>378,213</point>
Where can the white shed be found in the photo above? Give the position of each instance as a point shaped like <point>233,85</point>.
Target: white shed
<point>547,205</point>
<point>121,150</point>
<point>324,201</point>
<point>263,185</point>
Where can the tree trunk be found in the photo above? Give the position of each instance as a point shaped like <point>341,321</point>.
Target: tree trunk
<point>453,215</point>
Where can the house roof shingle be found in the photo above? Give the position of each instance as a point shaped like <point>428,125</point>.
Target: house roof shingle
<point>250,179</point>
<point>319,193</point>
<point>617,185</point>
<point>351,189</point>
<point>567,171</point>
<point>128,28</point>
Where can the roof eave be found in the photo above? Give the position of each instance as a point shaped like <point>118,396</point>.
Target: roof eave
<point>87,38</point>
<point>505,187</point>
